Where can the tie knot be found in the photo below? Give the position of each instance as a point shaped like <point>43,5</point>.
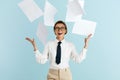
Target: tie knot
<point>59,42</point>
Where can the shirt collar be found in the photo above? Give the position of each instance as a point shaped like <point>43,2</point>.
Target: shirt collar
<point>61,41</point>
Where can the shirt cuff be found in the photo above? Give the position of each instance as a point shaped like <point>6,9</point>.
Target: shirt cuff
<point>37,51</point>
<point>84,50</point>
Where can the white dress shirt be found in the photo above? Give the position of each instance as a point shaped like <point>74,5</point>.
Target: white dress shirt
<point>67,51</point>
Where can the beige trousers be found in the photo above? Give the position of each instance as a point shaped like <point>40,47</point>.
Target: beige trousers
<point>59,74</point>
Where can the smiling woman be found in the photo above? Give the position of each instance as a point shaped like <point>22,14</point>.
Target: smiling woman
<point>60,30</point>
<point>103,55</point>
<point>59,53</point>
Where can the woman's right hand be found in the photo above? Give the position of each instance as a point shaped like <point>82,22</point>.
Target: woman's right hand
<point>32,41</point>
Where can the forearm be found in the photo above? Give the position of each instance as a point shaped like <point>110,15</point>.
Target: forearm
<point>40,58</point>
<point>86,46</point>
<point>35,47</point>
<point>78,58</point>
<point>87,41</point>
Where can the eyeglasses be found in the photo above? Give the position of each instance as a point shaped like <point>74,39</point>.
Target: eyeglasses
<point>59,28</point>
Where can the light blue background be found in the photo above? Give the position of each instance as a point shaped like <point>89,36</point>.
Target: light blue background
<point>17,61</point>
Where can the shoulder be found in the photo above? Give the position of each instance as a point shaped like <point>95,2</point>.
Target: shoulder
<point>51,42</point>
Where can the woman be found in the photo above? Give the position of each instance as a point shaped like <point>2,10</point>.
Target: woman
<point>59,53</point>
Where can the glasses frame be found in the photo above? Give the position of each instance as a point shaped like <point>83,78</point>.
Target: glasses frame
<point>60,28</point>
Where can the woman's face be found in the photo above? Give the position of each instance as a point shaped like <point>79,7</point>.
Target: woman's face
<point>60,30</point>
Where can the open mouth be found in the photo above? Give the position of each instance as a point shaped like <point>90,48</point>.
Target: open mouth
<point>59,33</point>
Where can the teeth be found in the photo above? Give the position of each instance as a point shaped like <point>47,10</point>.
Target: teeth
<point>59,33</point>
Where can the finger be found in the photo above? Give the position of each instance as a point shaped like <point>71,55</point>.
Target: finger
<point>33,39</point>
<point>28,39</point>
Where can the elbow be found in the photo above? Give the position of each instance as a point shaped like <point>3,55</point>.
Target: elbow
<point>80,60</point>
<point>40,61</point>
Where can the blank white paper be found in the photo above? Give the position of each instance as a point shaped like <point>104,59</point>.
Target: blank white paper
<point>49,13</point>
<point>84,27</point>
<point>74,10</point>
<point>42,33</point>
<point>81,2</point>
<point>30,9</point>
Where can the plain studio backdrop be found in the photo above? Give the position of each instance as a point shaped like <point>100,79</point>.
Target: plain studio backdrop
<point>17,60</point>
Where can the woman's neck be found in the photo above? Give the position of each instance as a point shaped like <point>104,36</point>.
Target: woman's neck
<point>60,38</point>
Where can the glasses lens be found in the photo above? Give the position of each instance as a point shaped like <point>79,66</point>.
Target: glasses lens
<point>60,28</point>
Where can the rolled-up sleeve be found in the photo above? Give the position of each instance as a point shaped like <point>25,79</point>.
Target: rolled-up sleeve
<point>78,57</point>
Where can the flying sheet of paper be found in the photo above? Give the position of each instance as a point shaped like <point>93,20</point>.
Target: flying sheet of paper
<point>42,33</point>
<point>30,9</point>
<point>79,17</point>
<point>84,27</point>
<point>74,10</point>
<point>81,2</point>
<point>49,13</point>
